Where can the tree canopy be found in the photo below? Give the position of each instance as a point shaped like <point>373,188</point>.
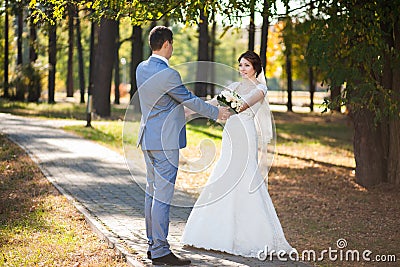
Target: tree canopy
<point>353,45</point>
<point>141,11</point>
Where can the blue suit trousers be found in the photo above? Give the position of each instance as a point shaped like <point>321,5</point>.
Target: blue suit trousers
<point>162,167</point>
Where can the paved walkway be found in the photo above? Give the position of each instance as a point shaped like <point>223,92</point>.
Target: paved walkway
<point>97,181</point>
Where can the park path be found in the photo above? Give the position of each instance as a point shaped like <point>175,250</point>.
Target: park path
<point>97,181</point>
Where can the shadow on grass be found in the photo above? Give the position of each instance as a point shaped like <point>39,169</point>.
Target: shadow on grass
<point>336,134</point>
<point>95,134</point>
<point>322,163</point>
<point>206,132</point>
<point>330,134</point>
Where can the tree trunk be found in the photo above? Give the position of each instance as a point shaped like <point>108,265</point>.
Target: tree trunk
<point>368,149</point>
<point>6,63</point>
<point>80,58</point>
<point>288,52</point>
<point>200,88</point>
<point>252,26</point>
<point>393,163</point>
<point>94,36</point>
<point>386,82</point>
<point>152,25</point>
<point>264,35</point>
<point>377,150</point>
<point>70,66</point>
<point>20,91</point>
<point>94,32</point>
<point>394,123</point>
<point>335,96</point>
<point>312,87</point>
<point>34,77</point>
<point>371,140</point>
<point>289,76</point>
<point>136,58</point>
<point>32,42</point>
<point>105,54</point>
<point>52,62</point>
<point>166,21</point>
<point>212,57</point>
<point>117,80</point>
<point>20,29</point>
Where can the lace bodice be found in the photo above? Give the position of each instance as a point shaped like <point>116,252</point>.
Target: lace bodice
<point>246,90</point>
<point>234,213</point>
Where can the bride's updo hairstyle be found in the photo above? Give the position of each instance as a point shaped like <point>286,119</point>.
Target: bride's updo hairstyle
<point>254,59</point>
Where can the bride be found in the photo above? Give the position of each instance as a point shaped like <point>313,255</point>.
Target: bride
<point>234,212</point>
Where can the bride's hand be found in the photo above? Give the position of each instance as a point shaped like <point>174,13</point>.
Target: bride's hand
<point>243,107</point>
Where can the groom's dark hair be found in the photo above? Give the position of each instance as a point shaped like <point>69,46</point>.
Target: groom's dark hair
<point>157,37</point>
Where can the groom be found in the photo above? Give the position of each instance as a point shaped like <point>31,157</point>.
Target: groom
<point>162,133</point>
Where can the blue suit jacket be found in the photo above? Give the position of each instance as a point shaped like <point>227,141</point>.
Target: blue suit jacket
<point>161,96</point>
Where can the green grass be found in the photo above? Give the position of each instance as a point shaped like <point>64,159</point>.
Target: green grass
<point>334,136</point>
<point>199,131</point>
<point>311,183</point>
<point>296,132</point>
<point>110,133</point>
<point>46,232</point>
<point>38,226</point>
<point>328,143</point>
<point>55,111</point>
<point>331,134</point>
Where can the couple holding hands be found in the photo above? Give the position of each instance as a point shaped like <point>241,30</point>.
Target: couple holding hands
<point>234,212</point>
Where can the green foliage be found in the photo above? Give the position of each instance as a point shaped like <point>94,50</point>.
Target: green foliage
<point>109,133</point>
<point>1,49</point>
<point>139,11</point>
<point>62,55</point>
<point>186,41</point>
<point>133,12</point>
<point>59,110</point>
<point>351,45</point>
<point>27,80</point>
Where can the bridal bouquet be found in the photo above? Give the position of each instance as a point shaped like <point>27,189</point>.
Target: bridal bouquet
<point>231,99</point>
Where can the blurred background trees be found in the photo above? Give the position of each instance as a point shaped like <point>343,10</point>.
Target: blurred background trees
<point>58,49</point>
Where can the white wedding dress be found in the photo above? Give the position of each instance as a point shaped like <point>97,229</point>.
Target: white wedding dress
<point>233,214</point>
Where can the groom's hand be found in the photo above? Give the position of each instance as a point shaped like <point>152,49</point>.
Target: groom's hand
<point>223,113</point>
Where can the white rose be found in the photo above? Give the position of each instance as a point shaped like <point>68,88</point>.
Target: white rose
<point>230,98</point>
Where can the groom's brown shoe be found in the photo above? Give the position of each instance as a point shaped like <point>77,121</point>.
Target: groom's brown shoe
<point>171,260</point>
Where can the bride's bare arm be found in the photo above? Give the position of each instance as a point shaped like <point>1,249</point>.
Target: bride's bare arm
<point>251,100</point>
